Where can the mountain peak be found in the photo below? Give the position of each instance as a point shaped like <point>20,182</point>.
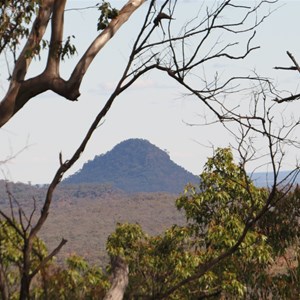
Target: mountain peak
<point>135,165</point>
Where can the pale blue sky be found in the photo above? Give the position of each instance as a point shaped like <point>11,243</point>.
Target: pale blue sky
<point>153,109</point>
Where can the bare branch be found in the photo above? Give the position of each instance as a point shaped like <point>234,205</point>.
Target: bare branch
<point>293,68</point>
<point>293,60</point>
<point>287,99</point>
<point>45,260</point>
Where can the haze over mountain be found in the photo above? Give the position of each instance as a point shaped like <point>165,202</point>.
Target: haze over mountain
<point>135,165</point>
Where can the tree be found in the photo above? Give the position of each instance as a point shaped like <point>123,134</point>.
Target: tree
<point>179,56</point>
<point>16,15</point>
<point>11,258</point>
<point>216,254</point>
<point>78,280</point>
<point>216,218</point>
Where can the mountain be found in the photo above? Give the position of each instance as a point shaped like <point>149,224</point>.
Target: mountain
<point>265,179</point>
<point>135,165</point>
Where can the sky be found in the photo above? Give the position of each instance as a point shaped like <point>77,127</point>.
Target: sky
<point>155,108</point>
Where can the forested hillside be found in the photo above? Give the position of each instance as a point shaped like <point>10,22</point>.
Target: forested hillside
<point>135,165</point>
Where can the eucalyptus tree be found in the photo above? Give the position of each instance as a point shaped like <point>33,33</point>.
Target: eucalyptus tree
<point>178,55</point>
<point>222,251</point>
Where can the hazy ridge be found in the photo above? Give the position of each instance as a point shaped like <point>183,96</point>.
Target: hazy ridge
<point>135,165</point>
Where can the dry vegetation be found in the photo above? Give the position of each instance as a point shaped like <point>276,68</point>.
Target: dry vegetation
<point>86,214</point>
<point>87,223</point>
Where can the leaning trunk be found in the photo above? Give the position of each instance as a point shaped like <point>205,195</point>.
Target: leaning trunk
<point>119,280</point>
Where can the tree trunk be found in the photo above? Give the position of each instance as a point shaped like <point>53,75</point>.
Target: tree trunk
<point>3,285</point>
<point>24,291</point>
<point>119,280</point>
<point>25,276</point>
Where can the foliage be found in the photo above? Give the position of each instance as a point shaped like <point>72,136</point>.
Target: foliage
<point>226,200</point>
<point>107,13</point>
<point>217,214</point>
<point>283,220</point>
<point>78,280</point>
<point>281,226</point>
<point>67,48</point>
<point>222,250</point>
<point>15,18</point>
<point>155,263</point>
<point>11,257</point>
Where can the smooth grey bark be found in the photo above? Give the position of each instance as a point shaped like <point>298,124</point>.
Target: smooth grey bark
<point>119,280</point>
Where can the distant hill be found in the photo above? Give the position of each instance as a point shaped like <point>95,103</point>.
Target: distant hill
<point>265,179</point>
<point>135,165</point>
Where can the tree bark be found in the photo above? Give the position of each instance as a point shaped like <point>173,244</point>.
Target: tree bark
<point>22,90</point>
<point>3,285</point>
<point>119,281</point>
<point>25,275</point>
